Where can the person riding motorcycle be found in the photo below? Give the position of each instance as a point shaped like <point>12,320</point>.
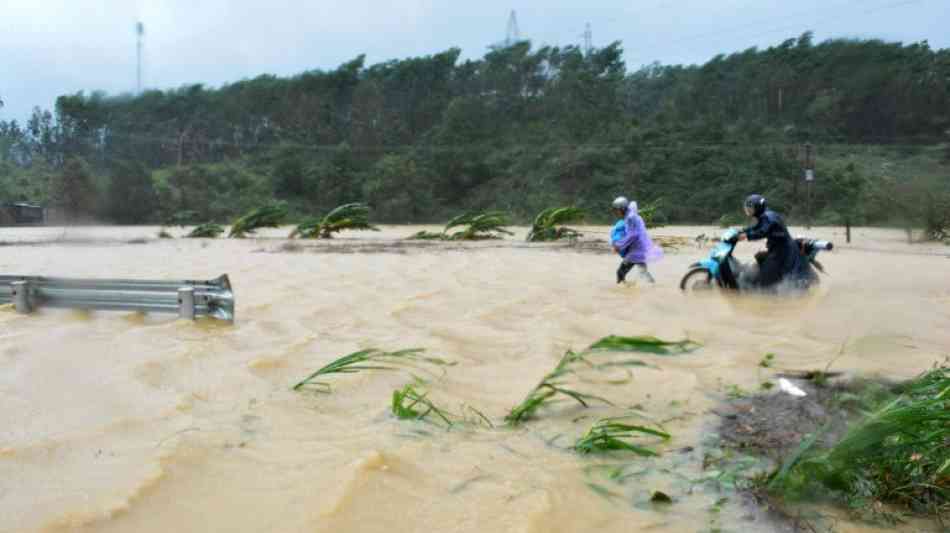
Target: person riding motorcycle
<point>782,259</point>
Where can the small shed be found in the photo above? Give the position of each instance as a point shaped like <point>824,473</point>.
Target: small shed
<point>16,214</point>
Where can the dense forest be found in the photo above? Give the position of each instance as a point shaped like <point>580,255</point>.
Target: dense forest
<point>520,129</point>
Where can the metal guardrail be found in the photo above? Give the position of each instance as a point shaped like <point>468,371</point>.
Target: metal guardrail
<point>188,298</point>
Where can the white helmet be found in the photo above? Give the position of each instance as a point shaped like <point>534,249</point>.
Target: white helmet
<point>621,202</point>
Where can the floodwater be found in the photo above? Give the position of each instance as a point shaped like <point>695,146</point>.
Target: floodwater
<point>126,422</point>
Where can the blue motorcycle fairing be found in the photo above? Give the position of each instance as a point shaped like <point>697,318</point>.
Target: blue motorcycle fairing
<point>729,234</point>
<point>710,265</point>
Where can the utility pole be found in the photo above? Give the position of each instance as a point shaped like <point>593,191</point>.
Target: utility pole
<point>808,164</point>
<point>139,35</point>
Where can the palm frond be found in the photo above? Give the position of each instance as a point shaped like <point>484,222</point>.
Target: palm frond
<point>485,225</point>
<point>308,229</point>
<point>478,226</point>
<point>461,220</point>
<point>268,216</point>
<point>353,216</point>
<point>547,225</point>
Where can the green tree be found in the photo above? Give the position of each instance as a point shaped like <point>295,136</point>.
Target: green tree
<point>398,190</point>
<point>131,196</point>
<point>72,189</point>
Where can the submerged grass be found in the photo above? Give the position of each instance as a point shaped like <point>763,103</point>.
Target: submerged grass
<point>610,434</point>
<point>369,359</point>
<point>410,404</point>
<point>653,345</point>
<point>553,384</point>
<point>898,454</point>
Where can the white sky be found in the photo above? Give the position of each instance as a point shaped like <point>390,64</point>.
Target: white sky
<point>54,47</point>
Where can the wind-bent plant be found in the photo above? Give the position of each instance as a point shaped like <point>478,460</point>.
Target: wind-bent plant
<point>353,216</point>
<point>897,454</point>
<point>549,224</point>
<point>650,213</point>
<point>209,230</point>
<point>410,404</point>
<point>268,216</point>
<point>553,383</point>
<point>487,225</point>
<point>369,359</point>
<point>478,226</point>
<point>609,434</point>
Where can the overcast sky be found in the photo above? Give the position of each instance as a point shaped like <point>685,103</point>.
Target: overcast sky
<point>54,47</point>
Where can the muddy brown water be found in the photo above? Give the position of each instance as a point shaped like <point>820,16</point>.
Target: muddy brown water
<point>126,422</point>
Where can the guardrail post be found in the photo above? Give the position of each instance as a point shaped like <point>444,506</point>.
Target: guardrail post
<point>186,303</point>
<point>21,296</point>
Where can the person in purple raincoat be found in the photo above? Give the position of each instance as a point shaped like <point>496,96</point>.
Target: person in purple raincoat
<point>633,243</point>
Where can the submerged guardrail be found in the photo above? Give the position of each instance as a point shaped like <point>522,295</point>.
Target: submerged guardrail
<point>188,298</point>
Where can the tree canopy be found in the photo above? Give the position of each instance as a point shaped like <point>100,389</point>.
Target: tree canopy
<point>520,129</point>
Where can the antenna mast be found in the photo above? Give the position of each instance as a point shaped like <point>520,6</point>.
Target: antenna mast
<point>512,35</point>
<point>588,39</point>
<point>139,35</point>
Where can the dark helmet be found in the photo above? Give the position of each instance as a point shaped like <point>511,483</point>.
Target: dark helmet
<point>756,202</point>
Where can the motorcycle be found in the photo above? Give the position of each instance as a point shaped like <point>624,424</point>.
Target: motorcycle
<point>725,271</point>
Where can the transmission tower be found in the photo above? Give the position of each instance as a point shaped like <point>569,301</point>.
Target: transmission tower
<point>512,35</point>
<point>588,39</point>
<point>139,36</point>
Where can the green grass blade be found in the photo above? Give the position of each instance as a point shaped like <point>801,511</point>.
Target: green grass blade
<point>646,344</point>
<point>370,359</point>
